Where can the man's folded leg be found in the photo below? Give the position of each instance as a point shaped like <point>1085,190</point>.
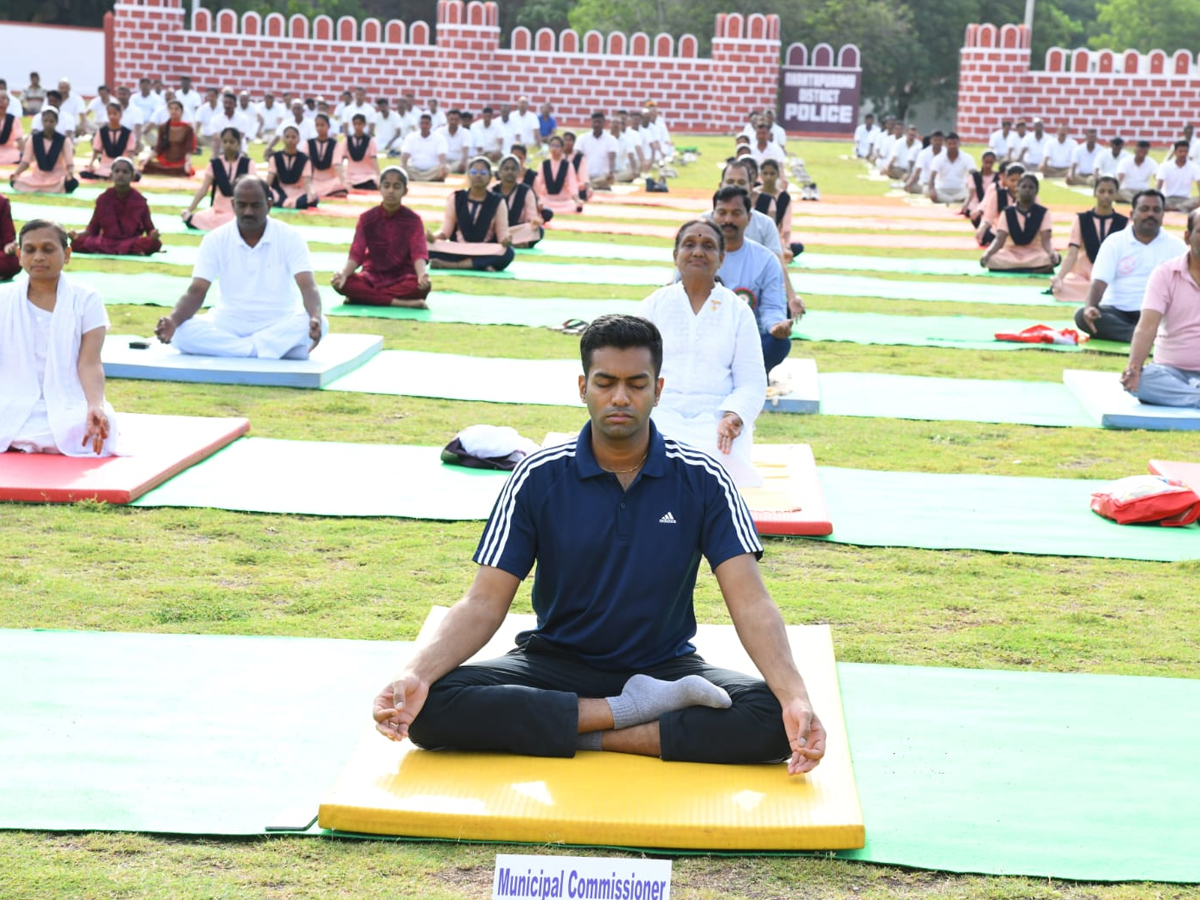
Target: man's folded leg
<point>750,731</point>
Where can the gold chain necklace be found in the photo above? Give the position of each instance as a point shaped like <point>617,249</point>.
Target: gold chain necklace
<point>631,468</point>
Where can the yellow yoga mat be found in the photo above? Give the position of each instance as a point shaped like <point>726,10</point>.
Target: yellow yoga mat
<point>611,799</point>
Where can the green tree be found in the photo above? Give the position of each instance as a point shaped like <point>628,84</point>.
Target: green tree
<point>1145,25</point>
<point>82,13</point>
<point>535,14</point>
<point>675,17</point>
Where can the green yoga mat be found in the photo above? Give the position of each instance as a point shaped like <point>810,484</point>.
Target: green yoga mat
<point>955,332</point>
<point>155,289</point>
<point>184,735</point>
<point>1002,514</point>
<point>808,283</point>
<point>262,474</point>
<point>959,770</point>
<point>1041,516</point>
<point>954,399</point>
<point>72,217</point>
<point>166,219</point>
<point>551,382</point>
<point>185,255</point>
<point>479,309</point>
<point>1088,777</point>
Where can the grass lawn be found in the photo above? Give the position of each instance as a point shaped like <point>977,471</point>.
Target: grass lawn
<point>92,566</point>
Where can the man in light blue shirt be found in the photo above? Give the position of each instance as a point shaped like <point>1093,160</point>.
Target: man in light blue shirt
<point>753,273</point>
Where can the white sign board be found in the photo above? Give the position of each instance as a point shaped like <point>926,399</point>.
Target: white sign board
<point>580,878</point>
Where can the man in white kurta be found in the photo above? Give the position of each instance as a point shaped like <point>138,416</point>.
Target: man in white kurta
<point>269,306</point>
<point>42,406</point>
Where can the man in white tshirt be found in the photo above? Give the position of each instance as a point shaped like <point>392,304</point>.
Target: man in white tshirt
<point>1002,140</point>
<point>269,306</point>
<point>204,113</point>
<point>67,125</point>
<point>1057,153</point>
<point>388,127</point>
<point>1123,266</point>
<point>360,107</point>
<point>1175,179</point>
<point>600,149</point>
<point>249,112</point>
<point>778,135</point>
<point>884,144</point>
<point>1032,146</point>
<point>629,149</point>
<point>96,115</point>
<point>423,153</point>
<point>918,178</point>
<point>189,97</point>
<point>904,155</point>
<point>458,141</point>
<point>525,124</point>
<point>231,116</point>
<point>1083,160</point>
<point>72,105</point>
<point>863,136</point>
<point>651,149</point>
<point>948,173</point>
<point>881,136</point>
<point>762,147</point>
<point>1193,140</point>
<point>656,125</point>
<point>145,99</point>
<point>487,136</point>
<point>1136,173</point>
<point>346,98</point>
<point>270,114</point>
<point>439,117</point>
<point>1108,160</point>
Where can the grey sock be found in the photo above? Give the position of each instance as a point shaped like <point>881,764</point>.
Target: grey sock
<point>644,699</point>
<point>589,740</point>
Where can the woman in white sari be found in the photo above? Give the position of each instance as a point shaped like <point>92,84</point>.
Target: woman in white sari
<point>714,383</point>
<point>51,332</point>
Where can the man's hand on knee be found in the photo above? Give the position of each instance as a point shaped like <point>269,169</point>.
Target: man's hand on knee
<point>398,704</point>
<point>806,736</point>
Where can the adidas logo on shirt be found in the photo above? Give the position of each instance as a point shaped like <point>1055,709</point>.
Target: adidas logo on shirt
<point>667,519</point>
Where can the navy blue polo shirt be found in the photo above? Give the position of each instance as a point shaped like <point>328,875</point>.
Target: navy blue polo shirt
<point>616,568</point>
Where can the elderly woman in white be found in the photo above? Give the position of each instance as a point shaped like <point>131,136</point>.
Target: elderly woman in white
<point>714,383</point>
<point>51,332</point>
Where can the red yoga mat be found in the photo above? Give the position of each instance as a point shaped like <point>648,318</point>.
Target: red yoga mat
<point>159,447</point>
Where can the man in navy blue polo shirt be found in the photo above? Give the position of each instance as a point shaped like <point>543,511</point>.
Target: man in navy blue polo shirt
<point>616,522</point>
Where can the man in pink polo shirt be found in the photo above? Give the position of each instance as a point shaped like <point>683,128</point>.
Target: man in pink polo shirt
<point>1171,322</point>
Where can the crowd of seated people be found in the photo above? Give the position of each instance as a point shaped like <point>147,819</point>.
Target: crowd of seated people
<point>1118,267</point>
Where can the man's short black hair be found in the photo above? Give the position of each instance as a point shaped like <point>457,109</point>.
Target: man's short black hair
<point>952,136</point>
<point>1178,144</point>
<point>1145,144</point>
<point>726,194</point>
<point>1149,192</point>
<point>621,332</point>
<point>938,133</point>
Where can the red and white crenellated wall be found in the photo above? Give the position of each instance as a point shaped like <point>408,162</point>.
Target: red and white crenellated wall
<point>460,62</point>
<point>1135,95</point>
